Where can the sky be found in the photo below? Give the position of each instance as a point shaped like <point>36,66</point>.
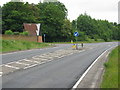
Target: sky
<point>98,9</point>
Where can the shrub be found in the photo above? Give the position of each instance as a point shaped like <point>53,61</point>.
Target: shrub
<point>9,32</point>
<point>24,33</point>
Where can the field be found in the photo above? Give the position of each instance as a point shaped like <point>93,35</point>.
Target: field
<point>110,78</point>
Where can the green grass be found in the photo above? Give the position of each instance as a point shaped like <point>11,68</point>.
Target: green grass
<point>110,78</point>
<point>16,45</point>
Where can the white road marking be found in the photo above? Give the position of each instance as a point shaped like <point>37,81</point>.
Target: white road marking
<point>12,67</point>
<point>35,57</point>
<point>40,59</point>
<point>27,60</point>
<point>30,66</point>
<point>22,63</point>
<point>85,73</point>
<point>1,72</point>
<point>32,61</point>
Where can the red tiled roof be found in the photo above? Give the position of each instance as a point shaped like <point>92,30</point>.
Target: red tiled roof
<point>31,28</point>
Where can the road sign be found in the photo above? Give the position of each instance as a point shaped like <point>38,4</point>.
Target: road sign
<point>76,34</point>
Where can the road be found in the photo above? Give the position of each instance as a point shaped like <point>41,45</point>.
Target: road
<point>60,73</point>
<point>6,58</point>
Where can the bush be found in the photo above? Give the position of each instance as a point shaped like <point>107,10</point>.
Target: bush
<point>9,32</point>
<point>24,33</point>
<point>16,33</point>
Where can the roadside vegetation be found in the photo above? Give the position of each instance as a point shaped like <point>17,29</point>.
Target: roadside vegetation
<point>54,22</point>
<point>17,45</point>
<point>110,78</point>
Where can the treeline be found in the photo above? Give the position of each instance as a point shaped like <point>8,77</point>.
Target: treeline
<point>97,29</point>
<point>54,22</point>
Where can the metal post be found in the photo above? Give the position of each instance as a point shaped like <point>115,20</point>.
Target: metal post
<point>44,37</point>
<point>76,37</point>
<point>76,44</point>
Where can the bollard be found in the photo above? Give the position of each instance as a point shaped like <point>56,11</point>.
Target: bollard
<point>82,44</point>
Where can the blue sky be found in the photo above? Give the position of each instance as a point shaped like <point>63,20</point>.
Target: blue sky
<point>98,9</point>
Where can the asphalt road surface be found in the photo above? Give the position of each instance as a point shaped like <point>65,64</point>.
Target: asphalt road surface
<point>15,56</point>
<point>60,73</point>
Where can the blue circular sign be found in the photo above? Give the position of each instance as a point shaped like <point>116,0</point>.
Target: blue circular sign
<point>76,34</point>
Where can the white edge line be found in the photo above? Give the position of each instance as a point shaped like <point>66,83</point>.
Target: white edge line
<point>84,74</point>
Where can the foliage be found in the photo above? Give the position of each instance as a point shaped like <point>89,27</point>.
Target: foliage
<point>111,73</point>
<point>54,22</point>
<point>24,33</point>
<point>67,31</point>
<point>14,14</point>
<point>97,29</point>
<point>52,16</point>
<point>16,45</point>
<point>9,32</point>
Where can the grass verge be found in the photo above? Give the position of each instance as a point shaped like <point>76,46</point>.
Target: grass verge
<point>110,78</point>
<point>16,45</point>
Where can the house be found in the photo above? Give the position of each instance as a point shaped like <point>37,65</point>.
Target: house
<point>33,30</point>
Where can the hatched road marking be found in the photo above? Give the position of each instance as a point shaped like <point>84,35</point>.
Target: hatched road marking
<point>37,60</point>
<point>11,67</point>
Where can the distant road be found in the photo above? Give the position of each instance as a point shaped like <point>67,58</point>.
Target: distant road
<point>61,73</point>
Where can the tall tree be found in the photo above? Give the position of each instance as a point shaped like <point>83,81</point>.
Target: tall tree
<point>14,14</point>
<point>52,16</point>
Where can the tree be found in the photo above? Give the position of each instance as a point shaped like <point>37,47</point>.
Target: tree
<point>15,14</point>
<point>67,31</point>
<point>97,29</point>
<point>52,16</point>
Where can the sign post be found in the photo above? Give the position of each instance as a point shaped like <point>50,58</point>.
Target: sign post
<point>38,31</point>
<point>76,34</point>
<point>44,37</point>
